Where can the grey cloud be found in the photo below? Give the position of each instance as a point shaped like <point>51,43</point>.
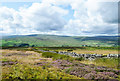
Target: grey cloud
<point>109,11</point>
<point>104,29</point>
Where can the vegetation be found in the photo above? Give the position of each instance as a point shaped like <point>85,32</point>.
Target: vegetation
<point>22,71</point>
<point>108,62</point>
<point>56,56</point>
<point>60,41</point>
<point>82,50</point>
<point>26,63</point>
<point>22,57</point>
<point>33,66</point>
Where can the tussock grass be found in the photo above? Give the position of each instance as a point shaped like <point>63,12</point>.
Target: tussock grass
<point>25,68</point>
<point>108,62</point>
<point>57,56</point>
<point>86,50</point>
<point>95,51</point>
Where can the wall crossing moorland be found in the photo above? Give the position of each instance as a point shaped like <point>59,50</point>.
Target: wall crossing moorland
<point>86,56</point>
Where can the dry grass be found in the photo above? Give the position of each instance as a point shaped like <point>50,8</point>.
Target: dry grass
<point>26,59</point>
<point>100,51</point>
<point>93,51</point>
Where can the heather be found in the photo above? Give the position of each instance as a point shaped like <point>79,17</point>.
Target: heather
<point>27,63</point>
<point>86,71</point>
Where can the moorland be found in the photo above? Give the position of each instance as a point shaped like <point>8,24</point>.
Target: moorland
<point>33,63</point>
<point>47,57</point>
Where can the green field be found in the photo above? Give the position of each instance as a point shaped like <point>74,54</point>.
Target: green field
<point>60,41</point>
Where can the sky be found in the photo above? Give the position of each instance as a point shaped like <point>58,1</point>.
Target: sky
<point>59,17</point>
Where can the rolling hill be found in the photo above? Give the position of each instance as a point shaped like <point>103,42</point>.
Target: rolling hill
<point>58,41</point>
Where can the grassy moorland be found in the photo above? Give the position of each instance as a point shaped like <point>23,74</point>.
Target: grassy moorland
<point>85,50</point>
<point>108,62</point>
<point>30,65</point>
<point>26,63</point>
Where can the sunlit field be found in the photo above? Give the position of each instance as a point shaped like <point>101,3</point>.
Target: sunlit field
<point>89,50</point>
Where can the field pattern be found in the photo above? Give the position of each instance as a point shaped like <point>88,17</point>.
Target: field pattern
<point>40,40</point>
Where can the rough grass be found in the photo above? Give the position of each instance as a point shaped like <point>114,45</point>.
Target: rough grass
<point>33,58</point>
<point>26,67</point>
<point>22,71</point>
<point>95,51</point>
<point>80,50</point>
<point>86,50</point>
<point>56,56</point>
<point>108,62</point>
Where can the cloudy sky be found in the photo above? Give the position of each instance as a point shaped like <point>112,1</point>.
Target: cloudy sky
<point>59,17</point>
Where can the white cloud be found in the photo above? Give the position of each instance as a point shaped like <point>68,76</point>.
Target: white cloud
<point>6,16</point>
<point>109,12</point>
<point>41,17</point>
<point>93,18</point>
<point>90,18</point>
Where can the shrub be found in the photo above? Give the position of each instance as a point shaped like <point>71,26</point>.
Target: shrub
<point>56,51</point>
<point>56,56</point>
<point>21,71</point>
<point>45,49</point>
<point>79,59</point>
<point>68,70</point>
<point>69,50</point>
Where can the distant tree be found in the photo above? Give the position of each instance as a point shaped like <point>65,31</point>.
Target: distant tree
<point>24,45</point>
<point>98,46</point>
<point>33,46</point>
<point>84,45</point>
<point>89,46</point>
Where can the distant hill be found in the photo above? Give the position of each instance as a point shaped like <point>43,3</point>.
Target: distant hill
<point>58,41</point>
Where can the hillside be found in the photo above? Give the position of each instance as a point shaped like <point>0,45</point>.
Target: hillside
<point>56,40</point>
